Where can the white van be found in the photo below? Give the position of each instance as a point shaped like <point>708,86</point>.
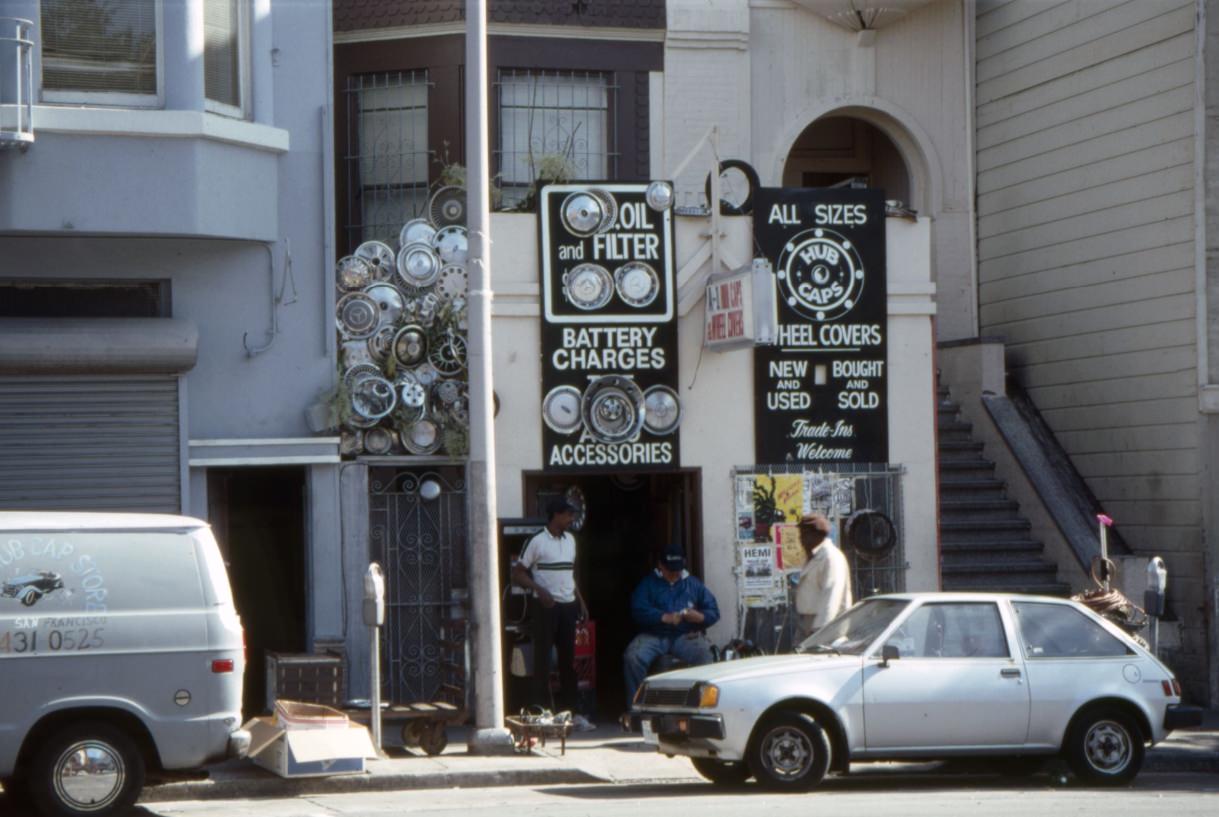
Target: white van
<point>121,654</point>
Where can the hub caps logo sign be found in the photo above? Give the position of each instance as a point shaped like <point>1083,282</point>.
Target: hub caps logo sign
<point>820,274</point>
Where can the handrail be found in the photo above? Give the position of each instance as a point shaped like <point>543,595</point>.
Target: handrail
<point>20,133</point>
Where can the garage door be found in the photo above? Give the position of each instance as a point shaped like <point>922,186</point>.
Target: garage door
<point>104,443</point>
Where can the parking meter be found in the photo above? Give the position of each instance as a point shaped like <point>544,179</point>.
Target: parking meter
<point>374,596</point>
<point>374,617</point>
<point>1157,585</point>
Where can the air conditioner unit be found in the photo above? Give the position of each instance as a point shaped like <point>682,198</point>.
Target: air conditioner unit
<point>16,87</point>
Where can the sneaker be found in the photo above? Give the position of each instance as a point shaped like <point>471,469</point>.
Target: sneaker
<point>582,724</point>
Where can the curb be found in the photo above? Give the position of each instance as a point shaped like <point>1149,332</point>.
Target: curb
<point>278,787</point>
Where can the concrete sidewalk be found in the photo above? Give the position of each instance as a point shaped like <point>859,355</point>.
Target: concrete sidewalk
<point>604,756</point>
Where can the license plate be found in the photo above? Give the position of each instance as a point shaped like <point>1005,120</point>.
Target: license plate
<point>648,735</point>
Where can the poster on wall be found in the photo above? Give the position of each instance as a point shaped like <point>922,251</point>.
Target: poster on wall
<point>820,393</point>
<point>609,327</point>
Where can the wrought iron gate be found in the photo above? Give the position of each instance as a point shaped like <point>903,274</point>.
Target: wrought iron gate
<point>417,531</point>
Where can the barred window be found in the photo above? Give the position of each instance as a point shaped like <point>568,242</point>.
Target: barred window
<point>387,153</point>
<point>545,115</point>
<point>100,51</point>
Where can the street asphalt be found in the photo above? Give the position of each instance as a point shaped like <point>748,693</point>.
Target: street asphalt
<point>604,756</point>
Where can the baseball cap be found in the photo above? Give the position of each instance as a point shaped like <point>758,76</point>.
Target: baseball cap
<point>673,558</point>
<point>557,506</point>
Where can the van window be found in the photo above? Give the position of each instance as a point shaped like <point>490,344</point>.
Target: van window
<point>214,564</point>
<point>94,572</point>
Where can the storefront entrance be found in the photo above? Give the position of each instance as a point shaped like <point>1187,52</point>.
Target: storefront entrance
<point>258,516</point>
<point>628,520</point>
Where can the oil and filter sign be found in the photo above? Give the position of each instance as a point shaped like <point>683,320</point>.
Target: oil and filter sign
<point>609,327</point>
<point>820,391</point>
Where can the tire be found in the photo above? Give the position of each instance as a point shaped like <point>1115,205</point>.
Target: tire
<point>789,752</point>
<point>1105,747</point>
<point>17,792</point>
<point>751,177</point>
<point>30,597</point>
<point>722,772</point>
<point>61,785</point>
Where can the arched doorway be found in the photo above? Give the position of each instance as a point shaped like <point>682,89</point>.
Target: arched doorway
<point>841,150</point>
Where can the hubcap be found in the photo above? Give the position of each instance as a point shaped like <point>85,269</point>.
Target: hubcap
<point>1108,747</point>
<point>89,775</point>
<point>788,753</point>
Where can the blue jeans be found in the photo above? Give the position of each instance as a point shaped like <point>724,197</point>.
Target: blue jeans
<point>693,648</point>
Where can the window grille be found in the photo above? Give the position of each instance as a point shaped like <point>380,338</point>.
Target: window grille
<point>387,154</point>
<point>94,49</point>
<point>548,114</point>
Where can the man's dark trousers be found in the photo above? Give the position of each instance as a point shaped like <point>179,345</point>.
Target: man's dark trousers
<point>555,627</point>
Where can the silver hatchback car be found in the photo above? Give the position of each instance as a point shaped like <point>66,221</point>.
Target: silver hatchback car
<point>923,676</point>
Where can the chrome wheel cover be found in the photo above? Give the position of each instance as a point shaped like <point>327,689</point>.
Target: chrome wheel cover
<point>1108,747</point>
<point>787,753</point>
<point>89,775</point>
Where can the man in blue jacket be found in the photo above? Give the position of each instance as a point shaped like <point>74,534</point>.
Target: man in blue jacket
<point>673,609</point>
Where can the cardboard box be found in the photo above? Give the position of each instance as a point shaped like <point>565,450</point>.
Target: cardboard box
<point>301,740</point>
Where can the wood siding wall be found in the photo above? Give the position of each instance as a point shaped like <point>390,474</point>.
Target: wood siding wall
<point>1085,161</point>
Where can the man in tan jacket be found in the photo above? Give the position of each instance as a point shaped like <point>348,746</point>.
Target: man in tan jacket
<point>824,588</point>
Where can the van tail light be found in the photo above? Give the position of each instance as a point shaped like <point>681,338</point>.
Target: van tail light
<point>1172,688</point>
<point>221,665</point>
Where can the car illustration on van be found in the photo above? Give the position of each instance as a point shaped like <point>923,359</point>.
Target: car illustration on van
<point>130,665</point>
<point>29,589</point>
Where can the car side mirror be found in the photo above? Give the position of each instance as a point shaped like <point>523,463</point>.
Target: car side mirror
<point>889,652</point>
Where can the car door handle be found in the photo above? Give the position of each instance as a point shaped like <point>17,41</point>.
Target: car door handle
<point>1010,672</point>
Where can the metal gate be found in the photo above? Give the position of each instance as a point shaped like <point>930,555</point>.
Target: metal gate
<point>417,531</point>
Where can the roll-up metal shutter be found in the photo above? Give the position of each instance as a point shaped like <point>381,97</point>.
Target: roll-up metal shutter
<point>107,442</point>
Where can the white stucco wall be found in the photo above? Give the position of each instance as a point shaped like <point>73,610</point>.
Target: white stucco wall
<point>762,71</point>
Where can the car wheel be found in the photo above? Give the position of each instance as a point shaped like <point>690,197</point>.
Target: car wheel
<point>790,752</point>
<point>91,768</point>
<point>721,772</point>
<point>30,597</point>
<point>1105,747</point>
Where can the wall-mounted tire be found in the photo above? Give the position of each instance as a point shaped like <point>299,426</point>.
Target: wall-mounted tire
<point>90,769</point>
<point>745,206</point>
<point>789,752</point>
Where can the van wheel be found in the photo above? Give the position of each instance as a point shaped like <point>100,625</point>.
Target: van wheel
<point>91,768</point>
<point>721,772</point>
<point>790,752</point>
<point>1105,747</point>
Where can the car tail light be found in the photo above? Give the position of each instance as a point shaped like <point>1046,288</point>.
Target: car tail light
<point>1176,687</point>
<point>1166,685</point>
<point>1171,687</point>
<point>221,665</point>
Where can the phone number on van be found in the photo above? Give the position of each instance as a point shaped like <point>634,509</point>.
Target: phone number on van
<point>24,641</point>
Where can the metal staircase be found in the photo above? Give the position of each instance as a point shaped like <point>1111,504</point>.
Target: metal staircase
<point>984,539</point>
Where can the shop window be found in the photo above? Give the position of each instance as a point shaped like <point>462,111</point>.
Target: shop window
<point>388,156</point>
<point>77,299</point>
<point>224,37</point>
<point>103,52</point>
<point>549,118</point>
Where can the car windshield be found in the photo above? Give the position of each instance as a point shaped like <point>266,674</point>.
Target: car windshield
<point>854,630</point>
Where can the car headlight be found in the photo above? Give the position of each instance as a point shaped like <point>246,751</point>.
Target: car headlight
<point>708,696</point>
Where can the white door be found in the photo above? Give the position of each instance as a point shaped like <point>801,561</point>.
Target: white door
<point>956,683</point>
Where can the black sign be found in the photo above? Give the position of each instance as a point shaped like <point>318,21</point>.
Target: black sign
<point>820,393</point>
<point>609,329</point>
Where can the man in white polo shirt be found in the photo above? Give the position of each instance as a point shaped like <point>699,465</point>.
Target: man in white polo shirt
<point>547,567</point>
